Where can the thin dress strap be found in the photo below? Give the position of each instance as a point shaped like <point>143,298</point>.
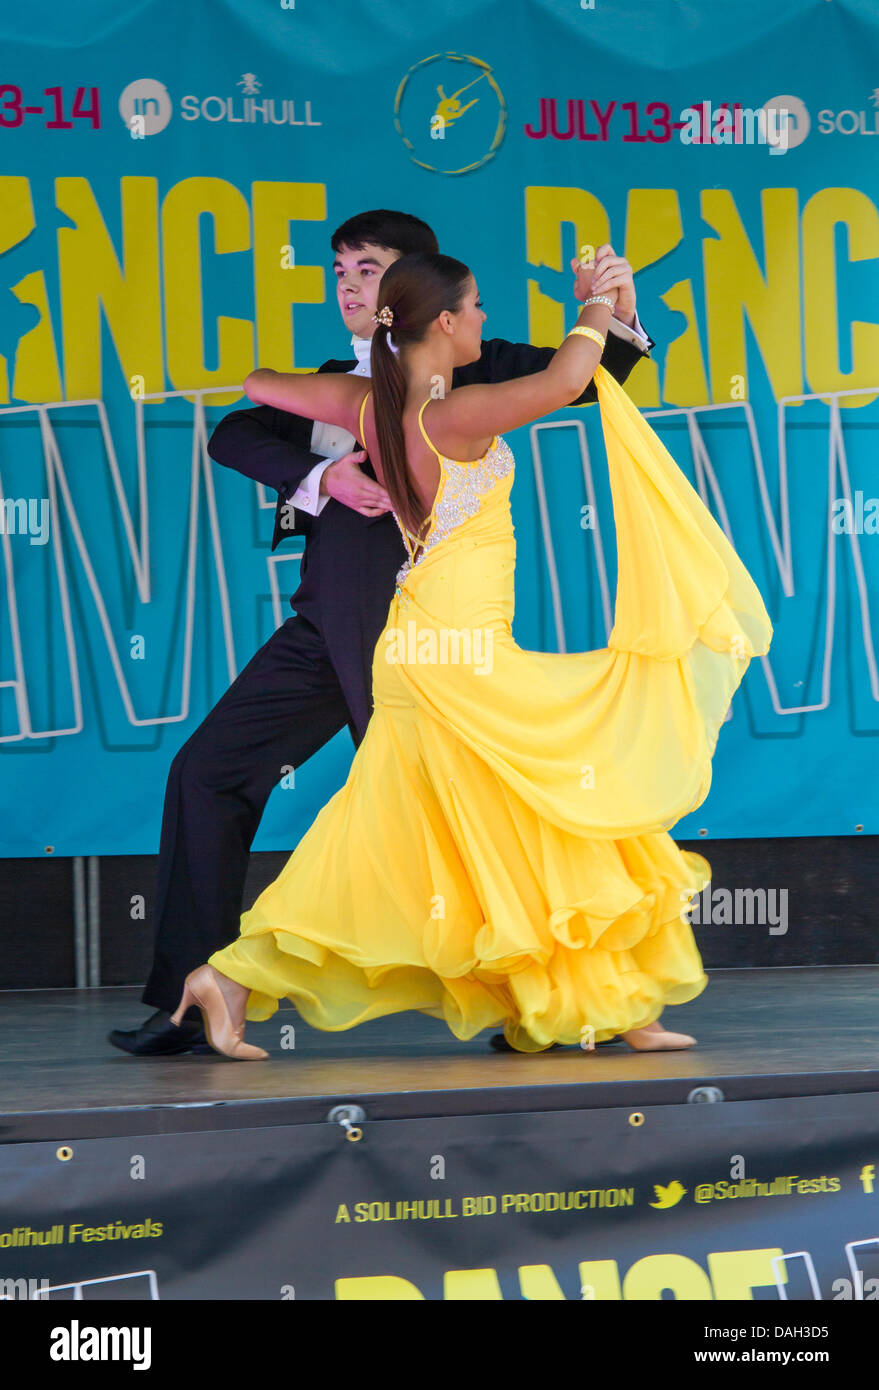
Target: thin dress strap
<point>362,409</point>
<point>425,436</point>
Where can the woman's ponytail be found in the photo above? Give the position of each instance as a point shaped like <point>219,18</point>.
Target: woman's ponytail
<point>389,398</point>
<point>413,292</point>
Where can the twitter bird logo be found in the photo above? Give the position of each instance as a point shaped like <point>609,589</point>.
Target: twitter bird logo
<point>668,1196</point>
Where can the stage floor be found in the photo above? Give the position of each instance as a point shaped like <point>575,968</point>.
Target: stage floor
<point>775,1032</point>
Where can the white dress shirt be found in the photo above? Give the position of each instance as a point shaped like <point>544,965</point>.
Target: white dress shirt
<point>332,442</point>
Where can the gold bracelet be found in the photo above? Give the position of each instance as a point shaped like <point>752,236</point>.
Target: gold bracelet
<point>589,333</point>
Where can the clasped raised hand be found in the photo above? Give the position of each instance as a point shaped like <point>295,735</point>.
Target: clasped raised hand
<point>609,274</point>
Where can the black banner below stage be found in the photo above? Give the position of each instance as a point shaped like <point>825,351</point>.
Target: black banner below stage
<point>772,1200</point>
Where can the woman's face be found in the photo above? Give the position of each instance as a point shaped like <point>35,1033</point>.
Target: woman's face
<point>468,325</point>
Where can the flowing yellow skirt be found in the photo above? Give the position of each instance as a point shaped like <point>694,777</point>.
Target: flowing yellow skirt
<point>500,855</point>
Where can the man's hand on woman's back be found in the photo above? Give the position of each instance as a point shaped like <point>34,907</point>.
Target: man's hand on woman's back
<point>347,483</point>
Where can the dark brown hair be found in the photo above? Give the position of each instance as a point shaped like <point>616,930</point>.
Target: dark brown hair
<point>395,231</point>
<point>416,288</point>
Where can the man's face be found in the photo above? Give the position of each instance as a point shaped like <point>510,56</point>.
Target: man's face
<point>358,275</point>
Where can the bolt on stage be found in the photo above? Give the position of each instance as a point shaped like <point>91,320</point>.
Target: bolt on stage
<point>455,1171</point>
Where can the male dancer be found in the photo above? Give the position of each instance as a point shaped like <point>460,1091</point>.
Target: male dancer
<point>314,675</point>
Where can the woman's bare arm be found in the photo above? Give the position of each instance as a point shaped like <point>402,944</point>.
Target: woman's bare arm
<point>334,397</point>
<point>469,417</point>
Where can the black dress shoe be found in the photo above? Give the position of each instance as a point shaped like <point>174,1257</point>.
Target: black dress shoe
<point>500,1044</point>
<point>159,1037</point>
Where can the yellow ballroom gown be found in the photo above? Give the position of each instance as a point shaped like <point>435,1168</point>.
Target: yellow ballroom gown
<point>499,854</point>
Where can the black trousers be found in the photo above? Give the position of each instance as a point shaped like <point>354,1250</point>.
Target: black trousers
<point>285,705</point>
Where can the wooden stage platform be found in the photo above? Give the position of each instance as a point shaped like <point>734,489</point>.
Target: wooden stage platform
<point>761,1033</point>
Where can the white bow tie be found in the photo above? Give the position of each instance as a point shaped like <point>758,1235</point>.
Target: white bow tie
<point>362,348</point>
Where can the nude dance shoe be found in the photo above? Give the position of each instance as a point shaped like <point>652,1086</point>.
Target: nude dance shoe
<point>201,988</point>
<point>649,1040</point>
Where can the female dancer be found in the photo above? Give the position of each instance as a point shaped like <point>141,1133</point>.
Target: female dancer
<point>500,852</point>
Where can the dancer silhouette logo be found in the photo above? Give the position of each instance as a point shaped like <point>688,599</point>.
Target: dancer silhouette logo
<point>450,113</point>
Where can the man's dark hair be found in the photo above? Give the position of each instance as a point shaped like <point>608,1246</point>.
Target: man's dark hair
<point>395,231</point>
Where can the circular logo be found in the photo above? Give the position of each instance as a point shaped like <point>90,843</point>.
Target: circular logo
<point>790,118</point>
<point>450,113</point>
<point>145,106</point>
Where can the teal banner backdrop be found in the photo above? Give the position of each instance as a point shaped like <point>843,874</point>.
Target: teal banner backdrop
<point>169,180</point>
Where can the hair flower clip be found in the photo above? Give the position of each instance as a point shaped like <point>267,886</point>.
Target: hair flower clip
<point>384,316</point>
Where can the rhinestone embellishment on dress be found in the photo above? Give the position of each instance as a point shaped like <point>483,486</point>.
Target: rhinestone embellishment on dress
<point>462,488</point>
